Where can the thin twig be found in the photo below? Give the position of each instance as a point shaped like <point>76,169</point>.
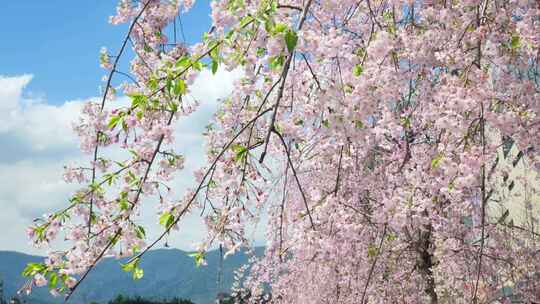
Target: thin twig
<point>200,186</point>
<point>284,74</point>
<point>104,98</point>
<point>336,188</point>
<point>287,152</point>
<point>372,268</point>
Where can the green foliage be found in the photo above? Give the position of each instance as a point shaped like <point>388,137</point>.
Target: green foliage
<point>33,269</point>
<point>357,70</point>
<point>198,257</point>
<point>372,251</point>
<point>166,219</point>
<point>515,42</point>
<point>139,300</point>
<point>291,38</point>
<point>240,152</point>
<point>133,267</point>
<point>276,62</point>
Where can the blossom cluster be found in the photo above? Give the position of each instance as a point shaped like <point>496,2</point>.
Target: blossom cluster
<point>366,132</point>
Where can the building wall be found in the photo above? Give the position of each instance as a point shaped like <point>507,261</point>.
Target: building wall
<point>516,189</point>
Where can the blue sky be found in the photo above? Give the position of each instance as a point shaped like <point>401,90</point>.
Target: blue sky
<point>58,41</point>
<point>49,67</point>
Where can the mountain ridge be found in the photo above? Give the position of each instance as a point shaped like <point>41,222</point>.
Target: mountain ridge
<point>168,273</point>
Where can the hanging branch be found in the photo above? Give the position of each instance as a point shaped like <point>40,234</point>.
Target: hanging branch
<point>104,98</point>
<point>284,74</point>
<point>296,178</point>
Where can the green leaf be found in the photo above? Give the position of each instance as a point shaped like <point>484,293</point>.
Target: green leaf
<point>110,178</point>
<point>33,269</point>
<point>153,84</point>
<point>436,161</point>
<point>244,21</point>
<point>198,65</point>
<point>391,237</point>
<point>141,233</point>
<point>372,251</point>
<point>357,70</point>
<point>53,280</point>
<point>291,38</point>
<point>214,54</point>
<point>240,152</point>
<point>276,62</point>
<point>173,106</point>
<point>198,257</point>
<point>168,85</point>
<point>96,188</point>
<point>138,273</point>
<point>180,87</point>
<point>268,24</point>
<point>133,267</point>
<point>515,42</point>
<point>405,121</point>
<point>137,99</point>
<point>183,62</point>
<point>124,204</point>
<point>261,51</point>
<point>134,153</point>
<point>166,219</point>
<point>129,267</point>
<point>113,122</point>
<point>214,66</point>
<point>280,28</point>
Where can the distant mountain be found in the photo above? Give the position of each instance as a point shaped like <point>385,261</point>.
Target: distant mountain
<point>167,273</point>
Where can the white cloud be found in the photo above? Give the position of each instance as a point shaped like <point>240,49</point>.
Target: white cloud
<point>10,98</point>
<point>36,140</point>
<point>37,125</point>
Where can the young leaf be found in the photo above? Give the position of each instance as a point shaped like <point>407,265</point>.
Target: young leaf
<point>276,62</point>
<point>166,219</point>
<point>124,204</point>
<point>129,267</point>
<point>53,280</point>
<point>113,122</point>
<point>138,273</point>
<point>183,62</point>
<point>244,21</point>
<point>33,269</point>
<point>515,42</point>
<point>357,70</point>
<point>436,161</point>
<point>180,87</point>
<point>240,152</point>
<point>198,257</point>
<point>291,38</point>
<point>280,28</point>
<point>214,66</point>
<point>372,251</point>
<point>141,233</point>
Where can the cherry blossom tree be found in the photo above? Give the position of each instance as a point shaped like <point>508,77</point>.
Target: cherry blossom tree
<point>366,131</point>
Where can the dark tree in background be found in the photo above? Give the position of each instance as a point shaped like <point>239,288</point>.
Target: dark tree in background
<point>139,300</point>
<point>2,299</point>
